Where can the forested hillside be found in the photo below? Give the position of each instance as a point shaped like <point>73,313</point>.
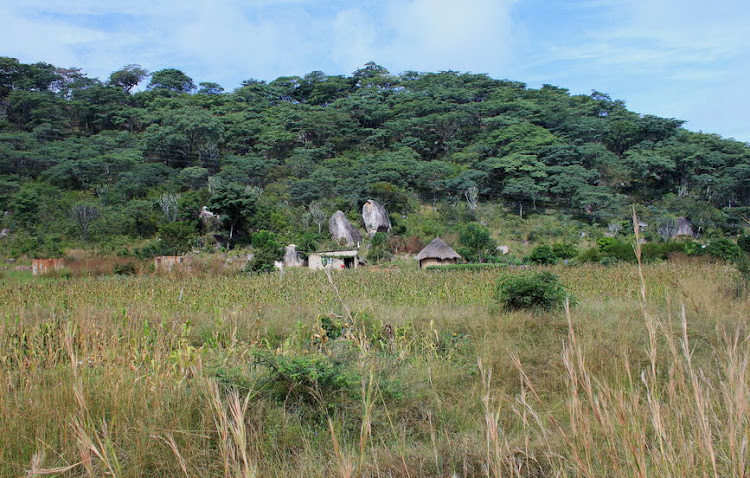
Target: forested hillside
<point>90,161</point>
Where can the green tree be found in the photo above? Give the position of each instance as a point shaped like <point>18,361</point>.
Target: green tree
<point>235,203</point>
<point>171,79</point>
<point>128,77</point>
<point>478,242</point>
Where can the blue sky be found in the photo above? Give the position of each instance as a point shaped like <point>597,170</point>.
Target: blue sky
<point>685,59</point>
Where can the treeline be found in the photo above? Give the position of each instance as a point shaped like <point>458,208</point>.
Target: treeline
<point>89,160</point>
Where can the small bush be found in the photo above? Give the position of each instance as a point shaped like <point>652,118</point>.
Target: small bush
<point>591,254</point>
<point>153,249</point>
<point>564,250</point>
<point>744,242</point>
<point>542,255</point>
<point>538,290</point>
<point>268,250</point>
<point>725,249</point>
<point>127,269</point>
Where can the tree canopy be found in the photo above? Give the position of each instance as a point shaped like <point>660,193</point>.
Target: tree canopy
<point>336,141</point>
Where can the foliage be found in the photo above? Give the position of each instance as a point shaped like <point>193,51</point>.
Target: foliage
<point>266,251</point>
<point>744,242</point>
<point>531,290</point>
<point>153,249</point>
<point>378,248</point>
<point>725,249</point>
<point>178,235</point>
<point>478,242</point>
<point>542,255</point>
<point>126,269</point>
<point>564,250</point>
<point>415,141</point>
<point>309,377</point>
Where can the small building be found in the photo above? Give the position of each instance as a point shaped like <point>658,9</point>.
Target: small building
<point>45,266</point>
<point>437,253</point>
<point>168,263</point>
<point>344,259</point>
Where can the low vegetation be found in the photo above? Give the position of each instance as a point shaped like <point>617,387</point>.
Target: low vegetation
<point>380,372</point>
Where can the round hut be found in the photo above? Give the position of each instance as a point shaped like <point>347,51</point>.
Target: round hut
<point>437,253</point>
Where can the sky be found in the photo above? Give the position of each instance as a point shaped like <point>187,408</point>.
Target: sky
<point>684,59</point>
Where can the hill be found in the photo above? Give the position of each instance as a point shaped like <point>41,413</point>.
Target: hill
<point>90,161</point>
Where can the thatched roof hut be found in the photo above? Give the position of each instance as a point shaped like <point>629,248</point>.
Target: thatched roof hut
<point>437,253</point>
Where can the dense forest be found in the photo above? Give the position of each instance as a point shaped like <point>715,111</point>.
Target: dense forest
<point>136,157</point>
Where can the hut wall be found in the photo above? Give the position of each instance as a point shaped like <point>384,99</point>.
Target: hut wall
<point>332,261</point>
<point>431,261</point>
<point>167,263</point>
<point>45,266</point>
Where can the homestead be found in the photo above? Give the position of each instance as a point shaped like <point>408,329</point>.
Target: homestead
<point>168,263</point>
<point>437,253</point>
<point>344,259</point>
<point>45,266</point>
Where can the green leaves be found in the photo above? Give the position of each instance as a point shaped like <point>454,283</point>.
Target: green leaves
<point>531,290</point>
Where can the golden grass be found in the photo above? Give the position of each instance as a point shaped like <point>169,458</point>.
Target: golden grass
<point>160,375</point>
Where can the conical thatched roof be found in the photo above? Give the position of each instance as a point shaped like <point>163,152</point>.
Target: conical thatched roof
<point>437,249</point>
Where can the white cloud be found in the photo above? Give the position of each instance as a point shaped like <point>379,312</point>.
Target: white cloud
<point>471,35</point>
<point>354,39</point>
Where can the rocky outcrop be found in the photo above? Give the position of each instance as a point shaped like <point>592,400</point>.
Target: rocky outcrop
<point>375,217</point>
<point>342,230</point>
<point>684,227</point>
<point>292,257</point>
<point>210,220</point>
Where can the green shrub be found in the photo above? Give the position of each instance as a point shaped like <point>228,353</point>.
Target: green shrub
<point>725,249</point>
<point>267,251</point>
<point>564,250</point>
<point>529,291</point>
<point>661,250</point>
<point>127,269</point>
<point>591,254</point>
<point>153,249</point>
<point>744,242</point>
<point>604,243</point>
<point>542,255</point>
<point>304,377</point>
<point>178,235</point>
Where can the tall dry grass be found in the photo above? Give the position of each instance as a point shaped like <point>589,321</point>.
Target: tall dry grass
<point>174,375</point>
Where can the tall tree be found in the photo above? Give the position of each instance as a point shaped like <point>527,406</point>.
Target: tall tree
<point>128,77</point>
<point>171,79</point>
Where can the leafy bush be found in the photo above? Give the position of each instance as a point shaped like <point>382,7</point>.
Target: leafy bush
<point>564,250</point>
<point>153,249</point>
<point>127,269</point>
<point>591,254</point>
<point>661,250</point>
<point>542,255</point>
<point>178,235</point>
<point>725,249</point>
<point>267,251</point>
<point>378,248</point>
<point>744,242</point>
<point>604,243</point>
<point>302,377</point>
<point>528,291</point>
<point>478,242</point>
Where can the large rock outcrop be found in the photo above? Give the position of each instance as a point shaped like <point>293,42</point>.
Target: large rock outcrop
<point>343,230</point>
<point>375,217</point>
<point>292,257</point>
<point>684,228</point>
